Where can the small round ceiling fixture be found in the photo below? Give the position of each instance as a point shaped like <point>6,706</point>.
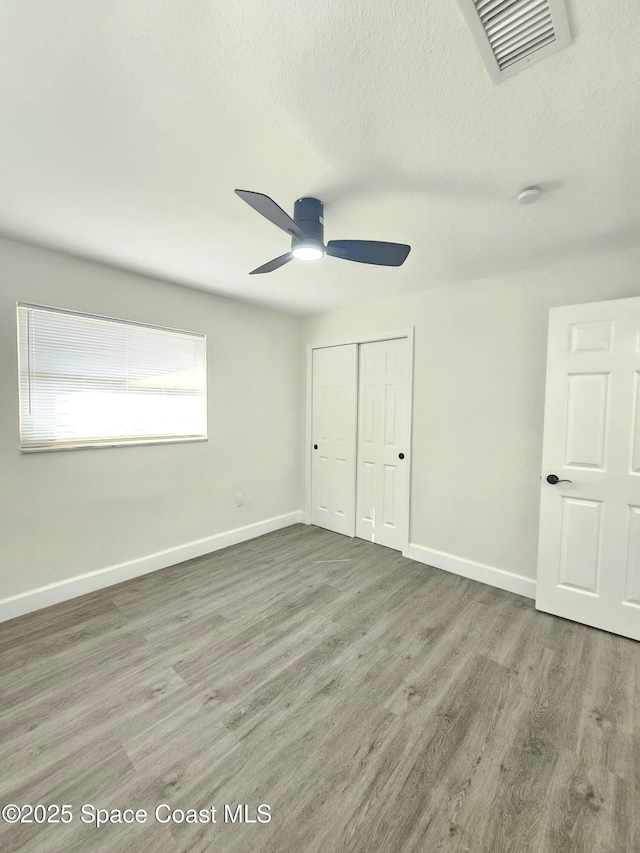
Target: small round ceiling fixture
<point>307,253</point>
<point>529,195</point>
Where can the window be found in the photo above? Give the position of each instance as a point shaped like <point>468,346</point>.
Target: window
<point>89,381</point>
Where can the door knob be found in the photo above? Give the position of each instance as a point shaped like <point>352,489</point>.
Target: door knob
<point>400,455</point>
<point>315,446</point>
<point>553,479</point>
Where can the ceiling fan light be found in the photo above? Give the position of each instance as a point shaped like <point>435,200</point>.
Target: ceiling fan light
<point>307,253</point>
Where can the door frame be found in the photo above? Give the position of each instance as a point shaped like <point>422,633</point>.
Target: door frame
<point>369,338</point>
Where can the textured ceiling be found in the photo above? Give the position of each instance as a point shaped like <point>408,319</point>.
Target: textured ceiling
<point>127,124</point>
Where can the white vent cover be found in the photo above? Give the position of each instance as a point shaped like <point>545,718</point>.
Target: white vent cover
<point>512,34</point>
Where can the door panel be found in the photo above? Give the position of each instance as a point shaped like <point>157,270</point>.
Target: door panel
<point>587,419</point>
<point>632,590</point>
<point>635,457</point>
<point>383,433</point>
<point>365,490</point>
<point>321,483</point>
<point>334,412</point>
<point>591,337</point>
<point>589,552</point>
<point>580,548</point>
<point>389,496</point>
<point>390,437</point>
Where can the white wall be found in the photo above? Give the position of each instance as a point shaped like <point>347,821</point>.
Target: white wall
<point>480,360</point>
<point>68,513</point>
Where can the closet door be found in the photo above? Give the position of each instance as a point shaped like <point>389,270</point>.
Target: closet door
<point>334,415</point>
<point>383,443</point>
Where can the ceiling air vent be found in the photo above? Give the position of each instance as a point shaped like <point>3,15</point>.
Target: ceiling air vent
<point>512,34</point>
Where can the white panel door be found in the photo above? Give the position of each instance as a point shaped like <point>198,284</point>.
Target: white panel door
<point>589,553</point>
<point>383,443</point>
<point>333,459</point>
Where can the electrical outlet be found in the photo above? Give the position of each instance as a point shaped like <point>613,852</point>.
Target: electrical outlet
<point>239,499</point>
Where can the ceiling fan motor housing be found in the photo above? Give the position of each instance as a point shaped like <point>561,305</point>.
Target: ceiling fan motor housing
<point>308,215</point>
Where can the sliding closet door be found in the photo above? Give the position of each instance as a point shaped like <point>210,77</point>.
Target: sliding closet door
<point>383,443</point>
<point>334,414</point>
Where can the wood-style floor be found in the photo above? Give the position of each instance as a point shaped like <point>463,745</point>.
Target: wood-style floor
<point>373,703</point>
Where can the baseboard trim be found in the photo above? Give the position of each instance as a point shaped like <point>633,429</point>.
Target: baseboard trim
<point>500,578</point>
<point>45,596</point>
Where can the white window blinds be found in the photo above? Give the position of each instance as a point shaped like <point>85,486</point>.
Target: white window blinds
<point>92,381</point>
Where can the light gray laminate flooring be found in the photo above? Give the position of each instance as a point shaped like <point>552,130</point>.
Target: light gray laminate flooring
<point>375,704</point>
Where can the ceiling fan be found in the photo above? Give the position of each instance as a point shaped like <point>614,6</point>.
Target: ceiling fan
<point>306,230</point>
